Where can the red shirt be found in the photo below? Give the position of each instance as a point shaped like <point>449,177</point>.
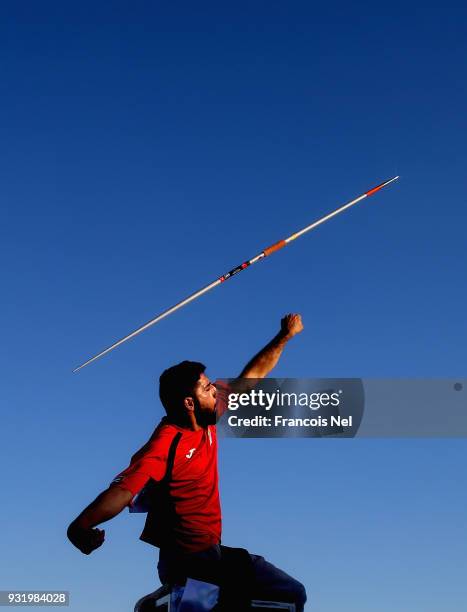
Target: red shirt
<point>193,488</point>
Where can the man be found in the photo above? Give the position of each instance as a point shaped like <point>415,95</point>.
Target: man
<point>174,476</point>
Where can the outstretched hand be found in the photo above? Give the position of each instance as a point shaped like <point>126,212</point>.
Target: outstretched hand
<point>86,540</point>
<point>291,325</point>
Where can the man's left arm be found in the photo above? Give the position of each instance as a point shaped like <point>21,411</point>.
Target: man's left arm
<point>267,358</point>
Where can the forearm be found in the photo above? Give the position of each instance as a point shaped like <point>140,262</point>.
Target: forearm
<point>267,358</point>
<point>107,505</point>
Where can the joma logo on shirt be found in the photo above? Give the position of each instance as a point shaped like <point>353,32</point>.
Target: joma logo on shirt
<point>189,455</point>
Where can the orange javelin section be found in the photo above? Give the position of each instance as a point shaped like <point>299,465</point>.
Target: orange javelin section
<point>274,247</point>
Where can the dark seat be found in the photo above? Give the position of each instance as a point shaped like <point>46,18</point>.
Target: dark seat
<point>160,601</point>
<point>149,603</point>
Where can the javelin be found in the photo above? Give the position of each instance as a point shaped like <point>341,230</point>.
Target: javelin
<point>272,249</point>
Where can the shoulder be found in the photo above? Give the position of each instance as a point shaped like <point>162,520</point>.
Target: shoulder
<point>158,444</point>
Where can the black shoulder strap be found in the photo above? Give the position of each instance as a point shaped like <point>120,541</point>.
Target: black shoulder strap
<point>171,456</point>
<point>145,498</point>
<point>151,532</point>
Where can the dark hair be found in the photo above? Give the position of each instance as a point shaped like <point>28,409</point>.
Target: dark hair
<point>178,382</point>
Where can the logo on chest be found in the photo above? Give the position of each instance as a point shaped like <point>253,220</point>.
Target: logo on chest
<point>189,455</point>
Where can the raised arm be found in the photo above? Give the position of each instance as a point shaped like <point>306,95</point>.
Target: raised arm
<point>108,504</point>
<point>266,359</point>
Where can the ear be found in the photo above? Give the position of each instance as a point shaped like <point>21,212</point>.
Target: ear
<point>189,403</point>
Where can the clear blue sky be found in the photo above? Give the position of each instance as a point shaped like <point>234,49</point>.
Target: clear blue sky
<point>148,147</point>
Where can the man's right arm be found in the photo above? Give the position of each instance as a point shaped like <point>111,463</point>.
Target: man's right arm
<point>267,358</point>
<point>109,503</point>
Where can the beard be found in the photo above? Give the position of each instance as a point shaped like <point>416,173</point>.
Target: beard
<point>204,417</point>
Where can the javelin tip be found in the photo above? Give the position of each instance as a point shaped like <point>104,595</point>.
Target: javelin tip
<point>380,186</point>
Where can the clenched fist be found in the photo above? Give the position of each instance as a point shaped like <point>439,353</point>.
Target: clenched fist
<point>291,325</point>
<point>86,540</point>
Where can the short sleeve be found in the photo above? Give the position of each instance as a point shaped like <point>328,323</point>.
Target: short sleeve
<point>139,472</point>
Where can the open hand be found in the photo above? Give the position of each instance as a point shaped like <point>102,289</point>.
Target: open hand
<point>291,325</point>
<point>86,540</point>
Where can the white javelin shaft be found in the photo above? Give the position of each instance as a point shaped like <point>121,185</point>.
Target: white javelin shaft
<point>164,314</point>
<point>268,251</point>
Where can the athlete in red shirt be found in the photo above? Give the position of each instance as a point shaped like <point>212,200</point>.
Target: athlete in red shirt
<point>174,477</point>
